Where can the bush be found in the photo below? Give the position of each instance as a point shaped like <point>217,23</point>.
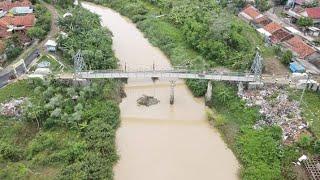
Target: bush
<point>10,152</point>
<point>197,87</point>
<point>316,147</point>
<point>259,153</point>
<point>305,141</point>
<point>14,171</point>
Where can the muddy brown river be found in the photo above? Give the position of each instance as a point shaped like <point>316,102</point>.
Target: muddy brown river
<point>161,142</point>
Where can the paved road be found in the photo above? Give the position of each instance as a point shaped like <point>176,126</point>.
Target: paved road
<point>33,51</point>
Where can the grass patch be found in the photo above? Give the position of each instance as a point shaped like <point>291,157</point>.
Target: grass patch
<point>16,90</point>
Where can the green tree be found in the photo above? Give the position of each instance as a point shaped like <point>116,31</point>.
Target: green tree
<point>304,22</point>
<point>36,33</point>
<point>286,57</point>
<point>262,5</point>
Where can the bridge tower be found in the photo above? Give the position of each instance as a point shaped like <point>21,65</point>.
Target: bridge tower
<point>256,67</point>
<point>79,64</point>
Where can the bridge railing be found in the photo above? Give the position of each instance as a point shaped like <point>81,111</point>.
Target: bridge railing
<point>180,71</point>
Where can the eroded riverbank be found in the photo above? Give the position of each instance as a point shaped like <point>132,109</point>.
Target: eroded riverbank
<point>162,141</point>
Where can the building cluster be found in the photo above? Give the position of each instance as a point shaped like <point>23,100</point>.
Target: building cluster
<point>296,10</point>
<point>15,18</point>
<point>286,35</point>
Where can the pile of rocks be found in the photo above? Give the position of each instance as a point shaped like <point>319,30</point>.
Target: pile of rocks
<point>12,108</point>
<point>278,109</point>
<point>147,100</point>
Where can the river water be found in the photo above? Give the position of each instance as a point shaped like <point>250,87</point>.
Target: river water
<point>161,142</point>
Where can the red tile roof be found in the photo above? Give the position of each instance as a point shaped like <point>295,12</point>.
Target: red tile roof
<point>251,11</point>
<point>280,35</point>
<point>313,13</point>
<point>4,33</point>
<point>272,27</point>
<point>263,20</point>
<point>27,21</point>
<point>297,45</point>
<point>8,5</point>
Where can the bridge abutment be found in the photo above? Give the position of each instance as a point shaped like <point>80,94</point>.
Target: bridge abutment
<point>240,89</point>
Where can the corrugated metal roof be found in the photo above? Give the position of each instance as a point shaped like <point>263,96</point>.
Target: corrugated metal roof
<point>21,10</point>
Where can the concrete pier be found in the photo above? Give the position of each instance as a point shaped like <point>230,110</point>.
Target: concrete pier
<point>208,95</point>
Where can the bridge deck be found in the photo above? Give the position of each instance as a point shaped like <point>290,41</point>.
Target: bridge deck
<point>167,75</point>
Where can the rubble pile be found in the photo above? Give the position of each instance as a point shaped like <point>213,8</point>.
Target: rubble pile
<point>277,109</point>
<point>147,100</point>
<point>12,108</point>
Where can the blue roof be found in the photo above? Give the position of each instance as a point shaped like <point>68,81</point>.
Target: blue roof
<point>21,10</point>
<point>296,67</point>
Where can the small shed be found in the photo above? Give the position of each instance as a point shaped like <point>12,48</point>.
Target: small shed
<point>296,67</point>
<point>51,46</point>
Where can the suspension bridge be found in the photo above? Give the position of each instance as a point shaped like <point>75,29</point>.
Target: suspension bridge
<point>254,78</point>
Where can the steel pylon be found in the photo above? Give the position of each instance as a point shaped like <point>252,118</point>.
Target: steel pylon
<point>256,67</point>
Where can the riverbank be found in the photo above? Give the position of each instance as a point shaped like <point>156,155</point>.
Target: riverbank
<point>260,152</point>
<point>162,141</point>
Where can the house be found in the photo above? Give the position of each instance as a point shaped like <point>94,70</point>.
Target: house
<point>294,13</point>
<point>51,46</point>
<point>249,13</point>
<point>7,5</point>
<point>313,13</point>
<point>300,48</point>
<point>272,27</point>
<point>21,10</point>
<point>280,35</point>
<point>17,22</point>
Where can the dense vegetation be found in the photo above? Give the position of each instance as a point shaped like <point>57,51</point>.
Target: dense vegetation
<point>183,27</point>
<point>258,151</point>
<point>43,23</point>
<point>86,34</point>
<point>70,130</point>
<point>65,132</point>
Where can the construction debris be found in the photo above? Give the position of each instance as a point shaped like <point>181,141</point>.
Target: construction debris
<point>147,100</point>
<point>278,109</point>
<point>12,108</point>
